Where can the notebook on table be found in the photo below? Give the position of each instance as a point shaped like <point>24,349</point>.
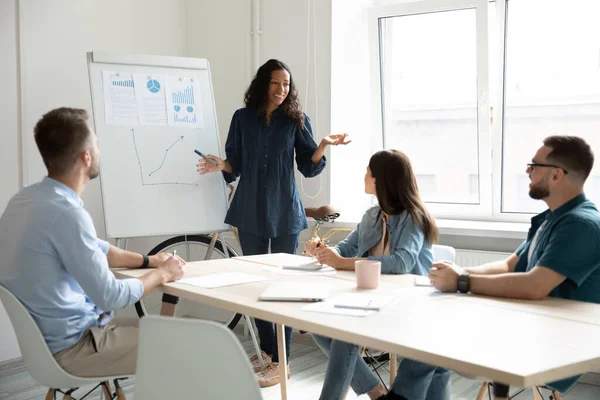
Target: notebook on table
<point>296,291</point>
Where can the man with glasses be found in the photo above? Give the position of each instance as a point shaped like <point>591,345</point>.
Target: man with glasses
<point>561,256</point>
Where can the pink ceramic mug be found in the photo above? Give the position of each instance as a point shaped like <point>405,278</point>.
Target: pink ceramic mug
<point>367,274</point>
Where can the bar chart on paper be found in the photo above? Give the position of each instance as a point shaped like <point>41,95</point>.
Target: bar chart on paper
<point>123,83</point>
<point>119,98</point>
<point>184,103</point>
<point>185,96</point>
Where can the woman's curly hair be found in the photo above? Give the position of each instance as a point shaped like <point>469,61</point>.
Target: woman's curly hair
<point>257,94</point>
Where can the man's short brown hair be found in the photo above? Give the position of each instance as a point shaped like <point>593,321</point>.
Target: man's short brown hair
<point>571,153</point>
<point>60,135</point>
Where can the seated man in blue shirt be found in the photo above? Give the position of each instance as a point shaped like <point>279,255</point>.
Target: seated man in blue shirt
<point>54,263</point>
<point>561,256</point>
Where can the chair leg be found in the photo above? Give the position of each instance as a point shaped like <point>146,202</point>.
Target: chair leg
<point>556,395</point>
<point>483,391</point>
<point>106,391</point>
<point>393,368</point>
<point>51,394</point>
<point>68,394</point>
<point>120,394</point>
<point>536,393</point>
<point>119,390</point>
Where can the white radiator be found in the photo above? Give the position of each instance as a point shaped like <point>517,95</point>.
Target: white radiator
<point>472,258</point>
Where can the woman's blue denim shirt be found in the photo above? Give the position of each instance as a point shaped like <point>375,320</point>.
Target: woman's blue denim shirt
<point>409,253</point>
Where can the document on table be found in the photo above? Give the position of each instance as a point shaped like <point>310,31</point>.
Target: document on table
<point>352,304</point>
<point>328,307</point>
<point>220,280</point>
<point>362,301</point>
<point>325,270</point>
<point>422,281</point>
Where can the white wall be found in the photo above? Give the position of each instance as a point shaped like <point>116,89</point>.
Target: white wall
<point>229,56</point>
<point>9,143</point>
<point>55,37</point>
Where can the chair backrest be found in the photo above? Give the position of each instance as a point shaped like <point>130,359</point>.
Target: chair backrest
<point>40,363</point>
<point>441,253</point>
<point>191,359</point>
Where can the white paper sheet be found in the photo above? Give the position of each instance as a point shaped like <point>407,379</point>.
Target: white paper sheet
<point>151,99</point>
<point>371,301</point>
<point>326,270</point>
<point>120,106</point>
<point>422,281</point>
<point>220,280</point>
<point>327,307</point>
<point>183,102</point>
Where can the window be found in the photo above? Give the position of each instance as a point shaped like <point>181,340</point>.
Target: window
<point>432,60</point>
<point>468,90</point>
<point>552,87</point>
<point>429,98</point>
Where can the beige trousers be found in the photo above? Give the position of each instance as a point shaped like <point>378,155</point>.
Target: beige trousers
<point>107,351</point>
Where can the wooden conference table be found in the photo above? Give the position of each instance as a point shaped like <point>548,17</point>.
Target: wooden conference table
<point>519,343</point>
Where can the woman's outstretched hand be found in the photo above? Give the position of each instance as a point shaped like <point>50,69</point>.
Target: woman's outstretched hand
<point>335,139</point>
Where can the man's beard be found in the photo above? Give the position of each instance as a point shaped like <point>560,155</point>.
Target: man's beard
<point>539,191</point>
<point>94,170</point>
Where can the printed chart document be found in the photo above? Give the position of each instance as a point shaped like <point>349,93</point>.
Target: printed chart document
<point>220,280</point>
<point>120,106</point>
<point>183,102</point>
<point>151,99</point>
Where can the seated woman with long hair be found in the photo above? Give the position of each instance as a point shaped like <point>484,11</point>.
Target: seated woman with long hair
<point>398,232</point>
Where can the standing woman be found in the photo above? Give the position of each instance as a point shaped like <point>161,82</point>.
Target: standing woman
<point>266,208</point>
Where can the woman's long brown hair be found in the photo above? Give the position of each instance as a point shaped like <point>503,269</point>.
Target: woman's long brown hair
<point>257,95</point>
<point>397,191</point>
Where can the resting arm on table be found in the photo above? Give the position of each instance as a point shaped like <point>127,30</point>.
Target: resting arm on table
<point>401,261</point>
<point>495,267</point>
<point>497,279</point>
<point>569,256</point>
<point>166,269</point>
<point>85,257</point>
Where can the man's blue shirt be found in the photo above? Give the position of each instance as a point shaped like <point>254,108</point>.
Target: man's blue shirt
<point>53,262</point>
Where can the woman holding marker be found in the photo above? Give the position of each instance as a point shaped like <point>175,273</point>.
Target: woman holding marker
<point>266,208</point>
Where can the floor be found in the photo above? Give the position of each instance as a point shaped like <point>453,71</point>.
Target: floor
<point>308,368</point>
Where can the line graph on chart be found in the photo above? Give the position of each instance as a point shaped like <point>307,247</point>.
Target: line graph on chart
<point>165,170</point>
<point>165,157</point>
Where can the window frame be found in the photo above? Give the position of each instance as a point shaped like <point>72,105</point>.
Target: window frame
<point>488,105</point>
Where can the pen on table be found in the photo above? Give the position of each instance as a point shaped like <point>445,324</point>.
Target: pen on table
<point>210,160</point>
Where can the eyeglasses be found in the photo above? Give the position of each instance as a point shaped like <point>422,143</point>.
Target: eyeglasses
<point>531,166</point>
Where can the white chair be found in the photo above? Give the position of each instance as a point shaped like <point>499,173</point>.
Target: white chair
<point>191,359</point>
<point>38,360</point>
<point>443,253</point>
